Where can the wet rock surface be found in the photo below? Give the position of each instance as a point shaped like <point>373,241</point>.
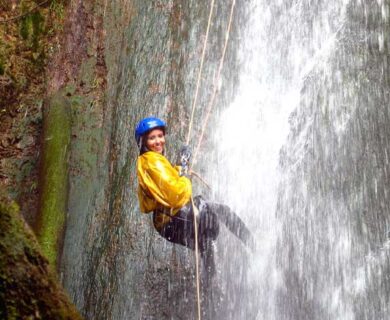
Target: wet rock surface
<point>114,264</point>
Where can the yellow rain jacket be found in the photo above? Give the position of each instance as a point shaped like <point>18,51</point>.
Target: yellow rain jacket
<point>161,188</point>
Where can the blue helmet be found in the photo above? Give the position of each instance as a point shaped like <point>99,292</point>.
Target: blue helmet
<point>146,125</point>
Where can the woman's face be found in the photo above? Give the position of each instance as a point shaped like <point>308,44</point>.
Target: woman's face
<point>155,140</point>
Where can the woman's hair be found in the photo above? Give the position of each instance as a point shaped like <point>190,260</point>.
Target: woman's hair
<point>143,147</point>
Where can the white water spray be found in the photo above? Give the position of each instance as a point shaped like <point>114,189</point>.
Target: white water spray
<point>279,56</point>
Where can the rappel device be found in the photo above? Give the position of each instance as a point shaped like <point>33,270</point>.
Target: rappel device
<point>185,155</point>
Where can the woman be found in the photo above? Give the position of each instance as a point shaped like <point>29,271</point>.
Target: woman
<point>165,192</point>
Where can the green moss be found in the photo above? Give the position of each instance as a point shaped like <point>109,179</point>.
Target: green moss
<point>37,25</point>
<point>28,287</point>
<point>25,27</point>
<point>58,8</point>
<point>31,28</point>
<point>2,66</point>
<point>57,131</point>
<point>25,47</point>
<point>69,89</point>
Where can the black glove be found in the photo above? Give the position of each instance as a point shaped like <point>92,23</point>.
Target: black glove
<point>185,156</point>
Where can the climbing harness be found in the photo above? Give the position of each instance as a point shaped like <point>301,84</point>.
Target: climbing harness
<point>209,108</point>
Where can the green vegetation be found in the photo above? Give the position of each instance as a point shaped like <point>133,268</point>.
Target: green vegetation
<point>59,10</point>
<point>31,28</point>
<point>25,39</point>
<point>54,185</point>
<point>2,65</point>
<point>28,287</point>
<point>29,37</point>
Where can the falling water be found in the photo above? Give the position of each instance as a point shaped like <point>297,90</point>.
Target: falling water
<point>302,156</point>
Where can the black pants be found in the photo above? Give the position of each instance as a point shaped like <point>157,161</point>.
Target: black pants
<point>181,229</point>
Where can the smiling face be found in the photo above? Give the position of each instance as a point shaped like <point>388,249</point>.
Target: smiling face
<point>155,140</point>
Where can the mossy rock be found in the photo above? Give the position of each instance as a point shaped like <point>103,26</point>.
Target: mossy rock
<point>28,287</point>
<point>54,176</point>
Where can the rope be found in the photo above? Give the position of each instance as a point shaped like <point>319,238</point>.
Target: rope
<point>194,208</point>
<point>209,108</point>
<point>215,84</point>
<point>197,175</point>
<point>196,213</point>
<point>200,71</point>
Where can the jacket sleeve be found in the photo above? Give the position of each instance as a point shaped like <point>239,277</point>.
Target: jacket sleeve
<point>165,185</point>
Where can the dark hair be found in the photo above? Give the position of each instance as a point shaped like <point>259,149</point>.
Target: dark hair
<point>142,147</point>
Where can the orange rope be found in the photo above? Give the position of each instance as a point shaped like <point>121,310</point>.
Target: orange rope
<point>196,213</point>
<point>215,84</point>
<point>209,108</point>
<point>200,72</point>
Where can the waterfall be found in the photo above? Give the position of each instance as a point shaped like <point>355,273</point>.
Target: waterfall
<point>302,156</point>
<point>297,145</point>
